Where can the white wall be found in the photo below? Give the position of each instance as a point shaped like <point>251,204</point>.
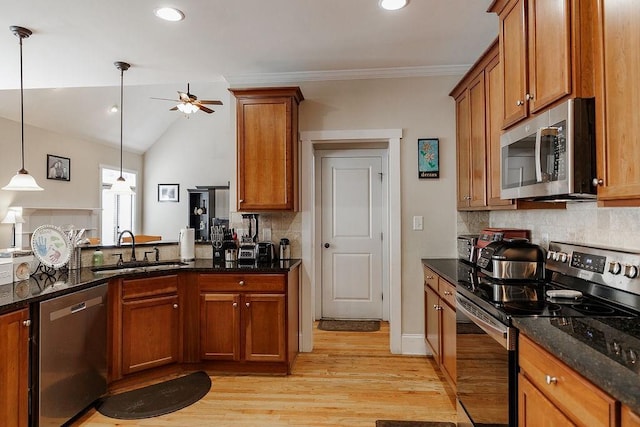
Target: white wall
<point>423,109</point>
<point>195,150</point>
<point>83,190</point>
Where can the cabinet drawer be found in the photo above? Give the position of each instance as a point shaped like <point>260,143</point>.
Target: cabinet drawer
<point>580,400</point>
<point>161,285</point>
<point>242,282</point>
<point>447,292</point>
<point>430,277</point>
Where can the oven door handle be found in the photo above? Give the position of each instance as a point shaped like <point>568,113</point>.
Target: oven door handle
<point>499,333</point>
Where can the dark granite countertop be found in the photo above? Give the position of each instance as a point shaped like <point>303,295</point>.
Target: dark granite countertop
<point>612,377</point>
<point>40,286</point>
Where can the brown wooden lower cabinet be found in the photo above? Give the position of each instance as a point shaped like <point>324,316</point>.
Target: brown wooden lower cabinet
<point>440,322</point>
<point>629,418</point>
<point>222,322</point>
<point>551,390</point>
<point>14,368</point>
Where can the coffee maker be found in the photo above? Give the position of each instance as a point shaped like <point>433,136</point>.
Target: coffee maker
<point>247,250</point>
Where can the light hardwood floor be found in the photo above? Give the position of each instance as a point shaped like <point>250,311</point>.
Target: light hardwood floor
<point>350,379</point>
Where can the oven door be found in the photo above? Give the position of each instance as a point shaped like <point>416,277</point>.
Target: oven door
<point>486,367</point>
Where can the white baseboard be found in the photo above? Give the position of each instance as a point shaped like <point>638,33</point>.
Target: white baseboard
<point>413,344</point>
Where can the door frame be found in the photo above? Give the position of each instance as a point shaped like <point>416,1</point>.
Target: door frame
<point>310,199</point>
<point>357,152</point>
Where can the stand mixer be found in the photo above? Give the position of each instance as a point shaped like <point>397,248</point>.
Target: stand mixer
<point>247,251</point>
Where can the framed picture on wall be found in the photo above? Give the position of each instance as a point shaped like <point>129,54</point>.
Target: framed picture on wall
<point>168,192</point>
<point>58,168</point>
<point>428,158</point>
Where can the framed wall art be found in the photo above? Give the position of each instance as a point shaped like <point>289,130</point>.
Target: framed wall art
<point>428,158</point>
<point>58,168</point>
<point>168,192</point>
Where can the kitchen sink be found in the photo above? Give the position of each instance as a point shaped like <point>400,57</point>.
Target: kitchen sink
<point>137,267</point>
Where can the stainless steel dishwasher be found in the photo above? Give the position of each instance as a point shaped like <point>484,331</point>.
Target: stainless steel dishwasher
<point>72,366</point>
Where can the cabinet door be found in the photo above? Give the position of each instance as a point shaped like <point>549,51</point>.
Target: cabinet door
<point>150,333</point>
<point>265,154</point>
<point>477,164</point>
<point>549,48</point>
<point>463,144</point>
<point>536,410</point>
<point>14,368</point>
<point>629,418</point>
<point>432,322</point>
<point>513,60</point>
<point>493,91</point>
<point>618,91</point>
<point>265,338</point>
<point>220,326</point>
<point>448,318</point>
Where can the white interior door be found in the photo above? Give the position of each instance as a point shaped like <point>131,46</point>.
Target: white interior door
<point>352,235</point>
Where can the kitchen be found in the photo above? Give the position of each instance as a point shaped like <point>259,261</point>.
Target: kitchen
<point>425,110</point>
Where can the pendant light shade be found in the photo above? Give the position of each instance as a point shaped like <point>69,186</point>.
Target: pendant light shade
<point>120,186</point>
<point>22,181</point>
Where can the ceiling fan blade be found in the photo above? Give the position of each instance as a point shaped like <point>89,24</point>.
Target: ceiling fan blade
<point>210,102</point>
<point>165,99</point>
<point>205,109</point>
<point>174,108</point>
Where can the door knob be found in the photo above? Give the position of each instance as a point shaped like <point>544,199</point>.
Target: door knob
<point>326,245</point>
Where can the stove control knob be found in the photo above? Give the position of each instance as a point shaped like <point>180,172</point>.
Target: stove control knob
<point>551,254</point>
<point>631,271</point>
<point>633,356</point>
<point>563,257</point>
<point>616,347</point>
<point>615,267</point>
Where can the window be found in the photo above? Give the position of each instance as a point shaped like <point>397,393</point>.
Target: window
<point>118,212</point>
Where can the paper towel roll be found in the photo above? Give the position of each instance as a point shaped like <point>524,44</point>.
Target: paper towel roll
<point>187,244</point>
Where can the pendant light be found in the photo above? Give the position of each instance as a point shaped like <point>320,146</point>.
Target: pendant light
<point>22,181</point>
<point>120,186</point>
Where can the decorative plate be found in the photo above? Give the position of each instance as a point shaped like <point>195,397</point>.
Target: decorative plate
<point>51,246</point>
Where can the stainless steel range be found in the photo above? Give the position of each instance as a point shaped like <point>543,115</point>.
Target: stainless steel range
<point>590,293</point>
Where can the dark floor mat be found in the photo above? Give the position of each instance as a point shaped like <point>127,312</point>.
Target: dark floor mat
<point>390,423</point>
<point>157,399</point>
<point>349,325</point>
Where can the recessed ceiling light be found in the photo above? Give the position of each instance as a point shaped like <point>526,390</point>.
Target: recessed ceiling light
<point>393,4</point>
<point>169,14</point>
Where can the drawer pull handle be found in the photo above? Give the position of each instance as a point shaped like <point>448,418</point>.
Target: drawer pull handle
<point>551,380</point>
<point>247,304</point>
<point>235,304</point>
<point>241,283</point>
<point>448,293</point>
<point>429,277</point>
<point>26,322</point>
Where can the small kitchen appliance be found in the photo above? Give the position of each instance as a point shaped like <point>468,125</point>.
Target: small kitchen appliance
<point>512,259</point>
<point>265,252</point>
<point>285,249</point>
<point>493,234</point>
<point>467,247</point>
<point>248,251</point>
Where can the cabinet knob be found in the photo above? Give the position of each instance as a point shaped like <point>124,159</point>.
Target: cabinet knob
<point>247,304</point>
<point>597,181</point>
<point>519,103</point>
<point>528,97</point>
<point>448,293</point>
<point>175,305</point>
<point>241,283</point>
<point>26,322</point>
<point>235,304</point>
<point>551,380</point>
<point>241,201</point>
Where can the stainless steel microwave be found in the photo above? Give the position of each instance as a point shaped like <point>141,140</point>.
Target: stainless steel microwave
<point>552,155</point>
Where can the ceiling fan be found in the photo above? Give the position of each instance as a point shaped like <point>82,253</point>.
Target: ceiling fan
<point>189,103</point>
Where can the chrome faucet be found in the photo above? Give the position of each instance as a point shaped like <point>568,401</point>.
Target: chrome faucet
<point>133,243</point>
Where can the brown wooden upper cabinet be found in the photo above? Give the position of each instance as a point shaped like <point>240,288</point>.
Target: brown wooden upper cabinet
<point>546,54</point>
<point>267,148</point>
<point>618,92</point>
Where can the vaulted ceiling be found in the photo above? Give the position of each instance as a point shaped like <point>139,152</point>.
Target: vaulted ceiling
<point>70,80</point>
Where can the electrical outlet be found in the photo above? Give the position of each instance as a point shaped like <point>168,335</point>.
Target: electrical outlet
<point>417,222</point>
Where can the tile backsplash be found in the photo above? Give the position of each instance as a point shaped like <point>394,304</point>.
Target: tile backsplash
<point>581,222</point>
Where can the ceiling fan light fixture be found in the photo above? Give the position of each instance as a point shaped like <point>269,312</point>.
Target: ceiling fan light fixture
<point>169,14</point>
<point>22,181</point>
<point>393,4</point>
<point>187,108</point>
